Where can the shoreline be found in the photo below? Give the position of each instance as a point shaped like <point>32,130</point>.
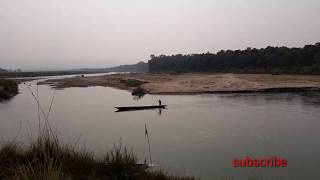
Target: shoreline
<point>195,83</point>
<point>273,90</point>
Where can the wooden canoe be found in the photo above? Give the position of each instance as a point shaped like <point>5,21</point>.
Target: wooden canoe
<point>136,108</point>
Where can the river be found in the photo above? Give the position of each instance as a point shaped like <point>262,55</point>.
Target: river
<point>197,135</point>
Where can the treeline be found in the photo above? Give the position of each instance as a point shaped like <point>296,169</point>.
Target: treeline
<point>275,60</point>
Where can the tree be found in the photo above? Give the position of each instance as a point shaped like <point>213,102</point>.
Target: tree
<point>265,60</point>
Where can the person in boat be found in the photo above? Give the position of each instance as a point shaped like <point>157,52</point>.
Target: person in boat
<point>159,102</point>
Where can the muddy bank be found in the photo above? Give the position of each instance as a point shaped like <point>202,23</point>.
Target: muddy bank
<point>196,83</point>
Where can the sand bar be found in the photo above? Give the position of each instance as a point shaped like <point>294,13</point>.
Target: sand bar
<point>192,83</point>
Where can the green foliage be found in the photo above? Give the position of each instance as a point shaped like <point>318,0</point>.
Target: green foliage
<point>39,171</point>
<point>139,91</point>
<point>122,162</point>
<point>278,60</point>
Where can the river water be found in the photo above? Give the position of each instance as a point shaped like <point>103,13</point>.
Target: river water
<point>197,135</point>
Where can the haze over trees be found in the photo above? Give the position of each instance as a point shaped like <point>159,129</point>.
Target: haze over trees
<point>140,67</point>
<point>276,60</point>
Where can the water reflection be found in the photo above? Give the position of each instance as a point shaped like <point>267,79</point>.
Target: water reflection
<point>138,97</point>
<point>307,98</point>
<point>160,111</point>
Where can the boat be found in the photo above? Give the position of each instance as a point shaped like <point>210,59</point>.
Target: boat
<point>136,108</point>
<point>141,166</point>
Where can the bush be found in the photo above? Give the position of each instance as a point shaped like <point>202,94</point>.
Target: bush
<point>8,88</point>
<point>132,82</point>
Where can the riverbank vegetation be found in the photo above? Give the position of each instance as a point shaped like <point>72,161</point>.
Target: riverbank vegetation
<point>273,60</point>
<point>8,88</point>
<point>48,159</point>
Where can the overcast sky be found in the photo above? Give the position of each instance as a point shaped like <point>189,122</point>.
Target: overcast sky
<point>65,34</point>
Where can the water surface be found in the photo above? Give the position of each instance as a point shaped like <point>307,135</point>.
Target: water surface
<point>197,135</point>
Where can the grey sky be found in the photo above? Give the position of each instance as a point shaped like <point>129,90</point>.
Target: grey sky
<point>64,34</point>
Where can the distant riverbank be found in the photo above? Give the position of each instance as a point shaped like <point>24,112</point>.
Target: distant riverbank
<point>45,73</point>
<point>196,83</point>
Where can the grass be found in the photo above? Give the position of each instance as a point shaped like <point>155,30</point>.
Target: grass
<point>48,159</point>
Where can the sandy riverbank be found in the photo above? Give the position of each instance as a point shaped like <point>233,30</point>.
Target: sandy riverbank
<point>191,83</point>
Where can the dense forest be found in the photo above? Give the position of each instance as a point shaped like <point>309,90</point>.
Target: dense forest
<point>275,60</point>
